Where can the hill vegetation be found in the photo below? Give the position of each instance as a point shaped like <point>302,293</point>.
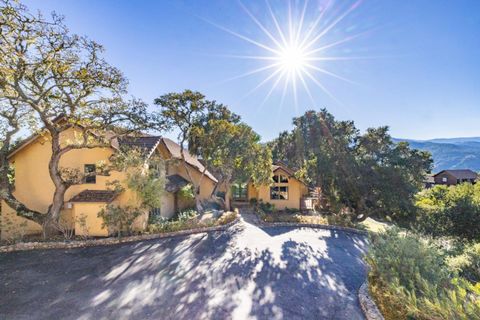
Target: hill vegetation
<point>454,153</point>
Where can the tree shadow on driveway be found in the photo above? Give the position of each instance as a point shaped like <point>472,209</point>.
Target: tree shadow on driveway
<point>246,272</point>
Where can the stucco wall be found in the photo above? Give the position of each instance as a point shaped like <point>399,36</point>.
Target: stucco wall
<point>89,211</point>
<point>296,190</point>
<point>33,185</point>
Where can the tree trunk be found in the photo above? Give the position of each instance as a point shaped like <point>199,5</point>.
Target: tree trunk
<point>227,198</point>
<point>196,186</point>
<point>61,187</point>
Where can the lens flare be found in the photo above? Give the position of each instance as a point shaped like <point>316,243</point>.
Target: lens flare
<point>295,48</point>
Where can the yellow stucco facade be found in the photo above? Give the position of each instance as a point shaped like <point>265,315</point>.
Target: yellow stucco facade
<point>34,187</point>
<point>287,193</point>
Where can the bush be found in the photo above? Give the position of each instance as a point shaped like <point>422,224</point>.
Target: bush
<point>119,219</point>
<point>467,264</point>
<point>227,218</point>
<point>450,211</point>
<point>410,279</point>
<point>187,220</point>
<point>186,215</point>
<point>266,207</point>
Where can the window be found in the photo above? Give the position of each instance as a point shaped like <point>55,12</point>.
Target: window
<point>280,178</point>
<point>239,191</point>
<point>444,179</point>
<point>90,170</point>
<point>278,193</point>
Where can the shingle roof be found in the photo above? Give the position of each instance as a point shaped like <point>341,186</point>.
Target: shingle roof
<point>175,182</point>
<point>461,173</point>
<point>95,196</point>
<point>175,152</point>
<point>144,142</point>
<point>150,142</point>
<point>282,166</point>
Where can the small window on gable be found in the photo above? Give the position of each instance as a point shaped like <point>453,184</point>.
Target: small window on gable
<point>90,176</point>
<point>280,178</point>
<point>444,179</point>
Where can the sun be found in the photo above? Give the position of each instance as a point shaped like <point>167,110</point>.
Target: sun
<point>295,48</point>
<point>292,59</point>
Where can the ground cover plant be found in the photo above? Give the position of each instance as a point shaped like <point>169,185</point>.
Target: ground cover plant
<point>187,220</point>
<point>414,278</point>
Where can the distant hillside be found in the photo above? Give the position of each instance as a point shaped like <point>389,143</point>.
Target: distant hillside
<point>454,153</point>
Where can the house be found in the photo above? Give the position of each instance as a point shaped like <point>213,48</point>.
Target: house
<point>429,181</point>
<point>453,177</point>
<point>34,187</point>
<point>284,192</point>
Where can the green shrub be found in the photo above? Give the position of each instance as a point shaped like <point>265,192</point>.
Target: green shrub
<point>267,207</point>
<point>410,279</point>
<point>450,211</point>
<point>467,264</point>
<point>186,215</point>
<point>227,217</point>
<point>186,220</point>
<point>119,219</point>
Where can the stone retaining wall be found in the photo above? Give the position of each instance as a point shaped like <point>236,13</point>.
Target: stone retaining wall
<point>109,241</point>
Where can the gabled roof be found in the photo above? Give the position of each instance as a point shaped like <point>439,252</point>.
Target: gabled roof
<point>149,143</point>
<point>280,165</point>
<point>95,196</point>
<point>460,173</point>
<point>290,172</point>
<point>175,151</point>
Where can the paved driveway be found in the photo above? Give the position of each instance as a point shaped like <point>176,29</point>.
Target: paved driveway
<point>245,273</point>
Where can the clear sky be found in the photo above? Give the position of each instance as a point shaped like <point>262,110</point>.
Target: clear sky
<point>412,65</point>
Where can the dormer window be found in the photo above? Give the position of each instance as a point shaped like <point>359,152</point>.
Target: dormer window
<point>90,173</point>
<point>280,178</point>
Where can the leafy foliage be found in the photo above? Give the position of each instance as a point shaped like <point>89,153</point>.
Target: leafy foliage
<point>366,173</point>
<point>467,263</point>
<point>450,211</point>
<point>59,80</point>
<point>187,220</point>
<point>230,148</point>
<point>410,279</point>
<point>119,219</point>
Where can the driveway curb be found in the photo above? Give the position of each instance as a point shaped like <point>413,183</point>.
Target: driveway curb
<point>313,225</point>
<point>369,307</point>
<point>24,246</point>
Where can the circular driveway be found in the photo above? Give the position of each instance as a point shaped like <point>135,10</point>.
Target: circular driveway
<point>246,272</point>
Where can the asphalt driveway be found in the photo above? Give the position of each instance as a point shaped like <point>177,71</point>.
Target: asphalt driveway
<point>244,273</point>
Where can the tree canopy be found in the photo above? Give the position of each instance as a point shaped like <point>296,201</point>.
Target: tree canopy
<point>367,173</point>
<point>228,147</point>
<point>58,80</point>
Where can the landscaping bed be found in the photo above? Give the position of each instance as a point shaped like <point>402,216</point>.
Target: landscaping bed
<point>171,228</point>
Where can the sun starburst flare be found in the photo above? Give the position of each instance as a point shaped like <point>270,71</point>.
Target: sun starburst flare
<point>295,49</point>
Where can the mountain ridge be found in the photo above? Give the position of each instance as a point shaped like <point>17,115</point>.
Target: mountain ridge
<point>450,153</point>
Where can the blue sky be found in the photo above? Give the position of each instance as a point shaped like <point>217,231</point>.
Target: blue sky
<point>415,65</point>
